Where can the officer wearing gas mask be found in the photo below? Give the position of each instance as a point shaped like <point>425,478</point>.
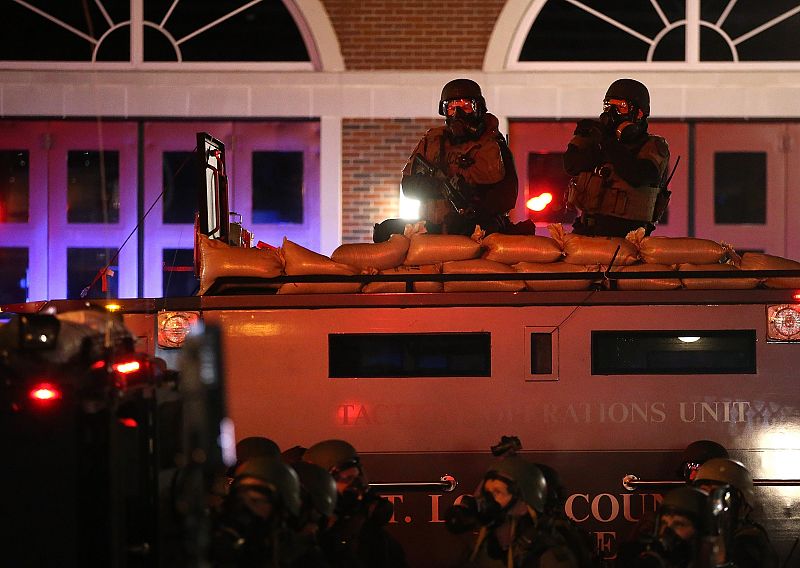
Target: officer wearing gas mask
<point>252,528</point>
<point>355,535</point>
<point>463,172</point>
<point>509,513</point>
<point>742,541</point>
<point>619,168</point>
<point>676,541</point>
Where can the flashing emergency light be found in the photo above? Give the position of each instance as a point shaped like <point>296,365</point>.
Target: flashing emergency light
<point>127,367</point>
<point>44,393</point>
<point>796,297</point>
<point>128,422</point>
<point>540,202</point>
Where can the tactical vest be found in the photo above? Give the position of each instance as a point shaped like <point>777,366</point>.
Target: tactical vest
<point>611,195</point>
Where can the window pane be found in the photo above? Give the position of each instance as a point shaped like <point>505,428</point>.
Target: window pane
<point>83,265</point>
<point>546,175</point>
<point>541,353</point>
<point>673,352</point>
<point>93,186</point>
<point>178,273</point>
<point>409,355</point>
<point>277,187</point>
<point>14,275</point>
<point>180,187</point>
<point>740,187</point>
<point>14,191</point>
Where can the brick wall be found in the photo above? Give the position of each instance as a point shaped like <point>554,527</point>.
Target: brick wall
<point>373,155</point>
<point>414,34</point>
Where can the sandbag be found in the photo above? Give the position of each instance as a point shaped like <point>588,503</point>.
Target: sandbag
<point>299,261</point>
<point>480,266</point>
<point>716,283</point>
<point>761,261</point>
<point>555,267</point>
<point>511,249</point>
<point>680,250</point>
<point>647,283</point>
<point>432,249</point>
<point>380,256</point>
<point>218,259</point>
<point>583,250</point>
<point>395,287</point>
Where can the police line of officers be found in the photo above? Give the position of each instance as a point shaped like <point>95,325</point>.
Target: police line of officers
<point>314,508</point>
<point>463,172</point>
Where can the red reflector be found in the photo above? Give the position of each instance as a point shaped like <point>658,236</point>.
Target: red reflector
<point>128,422</point>
<point>127,367</point>
<point>540,202</point>
<point>44,392</point>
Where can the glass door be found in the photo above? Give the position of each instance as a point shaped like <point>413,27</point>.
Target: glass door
<point>92,180</point>
<point>741,185</point>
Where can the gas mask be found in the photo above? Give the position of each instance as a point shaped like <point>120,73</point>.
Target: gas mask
<point>463,119</point>
<point>622,119</point>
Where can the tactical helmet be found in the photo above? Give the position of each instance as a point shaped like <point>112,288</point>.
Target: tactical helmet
<point>630,90</point>
<point>278,476</point>
<point>256,446</point>
<point>319,486</point>
<point>688,501</point>
<point>462,89</point>
<point>699,452</point>
<point>333,455</point>
<point>732,472</point>
<point>526,477</point>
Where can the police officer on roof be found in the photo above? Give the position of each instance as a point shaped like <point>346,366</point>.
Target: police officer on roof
<point>462,172</point>
<point>620,169</point>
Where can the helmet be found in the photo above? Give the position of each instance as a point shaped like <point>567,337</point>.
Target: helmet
<point>527,478</point>
<point>699,452</point>
<point>732,472</point>
<point>555,489</point>
<point>256,446</point>
<point>333,455</point>
<point>318,485</point>
<point>278,476</point>
<point>688,501</point>
<point>462,89</point>
<point>630,90</point>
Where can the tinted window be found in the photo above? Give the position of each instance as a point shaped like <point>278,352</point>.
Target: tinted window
<point>409,355</point>
<point>178,273</point>
<point>740,187</point>
<point>92,186</point>
<point>673,352</point>
<point>277,187</point>
<point>180,187</point>
<point>14,275</point>
<point>83,265</point>
<point>14,192</point>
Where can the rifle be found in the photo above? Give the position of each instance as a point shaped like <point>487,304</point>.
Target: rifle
<point>449,187</point>
<point>662,200</point>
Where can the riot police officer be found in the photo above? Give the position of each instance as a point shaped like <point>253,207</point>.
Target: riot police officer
<point>463,172</point>
<point>747,543</point>
<point>252,529</point>
<point>356,534</point>
<point>509,512</point>
<point>620,168</point>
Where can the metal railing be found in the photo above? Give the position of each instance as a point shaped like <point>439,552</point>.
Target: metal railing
<point>446,484</point>
<point>632,482</point>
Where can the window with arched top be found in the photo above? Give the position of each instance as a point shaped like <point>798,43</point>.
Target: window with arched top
<point>157,31</point>
<point>683,32</point>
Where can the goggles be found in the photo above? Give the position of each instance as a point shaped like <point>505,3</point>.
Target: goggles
<point>467,106</point>
<point>690,470</point>
<point>622,106</point>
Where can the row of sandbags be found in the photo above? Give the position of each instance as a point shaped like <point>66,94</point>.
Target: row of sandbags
<point>417,252</point>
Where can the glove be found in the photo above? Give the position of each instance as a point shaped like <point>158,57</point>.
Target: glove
<point>590,129</point>
<point>419,186</point>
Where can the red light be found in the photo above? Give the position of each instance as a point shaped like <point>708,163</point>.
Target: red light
<point>540,202</point>
<point>128,422</point>
<point>127,367</point>
<point>44,392</point>
<point>796,297</point>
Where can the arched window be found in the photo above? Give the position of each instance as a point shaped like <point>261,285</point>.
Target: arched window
<point>159,32</point>
<point>675,33</point>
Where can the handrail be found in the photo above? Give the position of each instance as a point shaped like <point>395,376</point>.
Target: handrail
<point>632,482</point>
<point>613,275</point>
<point>446,484</point>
